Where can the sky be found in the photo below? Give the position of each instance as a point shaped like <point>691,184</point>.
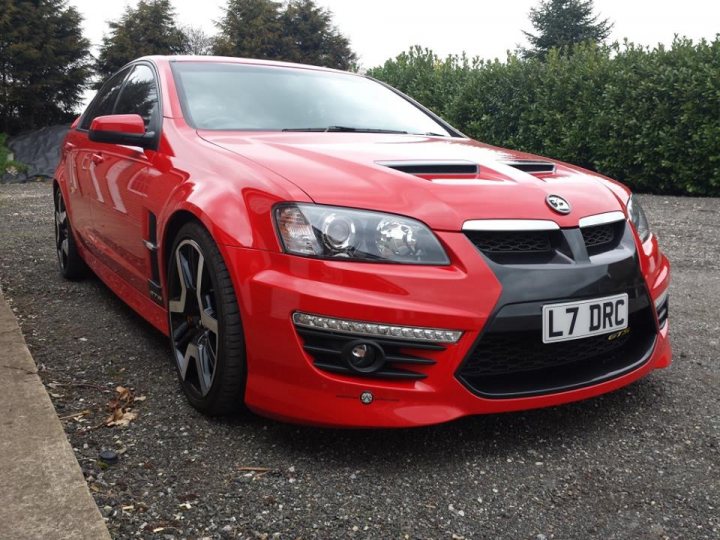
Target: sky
<point>381,29</point>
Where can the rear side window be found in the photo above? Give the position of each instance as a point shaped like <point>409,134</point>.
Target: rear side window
<point>140,96</point>
<point>104,102</point>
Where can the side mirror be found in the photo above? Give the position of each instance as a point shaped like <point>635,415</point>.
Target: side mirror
<point>125,129</point>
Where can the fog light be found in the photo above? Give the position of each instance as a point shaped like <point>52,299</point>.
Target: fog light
<point>360,351</point>
<point>377,330</point>
<point>363,356</point>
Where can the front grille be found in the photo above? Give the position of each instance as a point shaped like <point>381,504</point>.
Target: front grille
<point>405,360</point>
<point>543,247</point>
<point>600,237</point>
<point>511,241</point>
<point>505,364</point>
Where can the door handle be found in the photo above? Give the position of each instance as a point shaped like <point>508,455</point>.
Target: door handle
<point>69,146</point>
<point>97,158</point>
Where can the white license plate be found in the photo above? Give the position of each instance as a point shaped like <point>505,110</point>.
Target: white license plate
<point>575,320</point>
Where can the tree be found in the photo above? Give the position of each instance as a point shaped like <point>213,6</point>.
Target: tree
<point>251,29</point>
<point>299,32</point>
<point>198,42</point>
<point>44,63</point>
<point>150,28</point>
<point>563,24</point>
<point>311,37</point>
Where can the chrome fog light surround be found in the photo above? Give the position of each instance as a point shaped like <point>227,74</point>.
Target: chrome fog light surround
<point>374,329</point>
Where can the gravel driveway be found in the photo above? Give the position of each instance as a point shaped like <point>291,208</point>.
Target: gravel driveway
<point>643,462</point>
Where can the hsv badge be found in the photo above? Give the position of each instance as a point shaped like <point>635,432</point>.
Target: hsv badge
<point>557,203</point>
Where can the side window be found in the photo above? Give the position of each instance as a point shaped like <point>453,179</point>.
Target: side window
<point>140,96</point>
<point>104,102</point>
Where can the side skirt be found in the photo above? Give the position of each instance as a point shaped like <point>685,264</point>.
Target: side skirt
<point>150,311</point>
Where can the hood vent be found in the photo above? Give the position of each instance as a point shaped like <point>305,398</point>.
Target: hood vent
<point>432,167</point>
<point>533,167</point>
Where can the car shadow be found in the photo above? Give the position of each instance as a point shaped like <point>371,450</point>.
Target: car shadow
<point>488,436</point>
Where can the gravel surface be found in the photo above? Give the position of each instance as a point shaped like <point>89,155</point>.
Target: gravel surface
<point>643,462</point>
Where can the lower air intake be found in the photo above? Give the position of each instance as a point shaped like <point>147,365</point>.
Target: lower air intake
<point>404,360</point>
<point>506,364</point>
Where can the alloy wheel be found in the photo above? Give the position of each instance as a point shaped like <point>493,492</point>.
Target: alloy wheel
<point>193,318</point>
<point>62,233</point>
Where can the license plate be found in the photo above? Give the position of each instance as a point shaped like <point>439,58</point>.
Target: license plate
<point>575,320</point>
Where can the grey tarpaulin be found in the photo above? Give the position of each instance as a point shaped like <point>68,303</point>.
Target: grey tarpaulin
<point>39,150</point>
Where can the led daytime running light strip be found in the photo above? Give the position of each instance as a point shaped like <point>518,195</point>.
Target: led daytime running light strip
<point>414,333</point>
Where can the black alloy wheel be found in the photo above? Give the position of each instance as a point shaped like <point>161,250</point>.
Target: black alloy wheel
<point>71,264</point>
<point>205,327</point>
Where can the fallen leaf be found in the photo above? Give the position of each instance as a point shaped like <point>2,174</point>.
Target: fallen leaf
<point>120,418</point>
<point>120,408</point>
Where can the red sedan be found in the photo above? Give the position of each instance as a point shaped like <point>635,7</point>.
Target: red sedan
<point>322,249</point>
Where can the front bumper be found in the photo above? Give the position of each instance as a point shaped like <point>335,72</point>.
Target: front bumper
<point>284,381</point>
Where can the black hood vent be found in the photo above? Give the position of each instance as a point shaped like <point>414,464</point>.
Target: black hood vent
<point>533,167</point>
<point>432,167</point>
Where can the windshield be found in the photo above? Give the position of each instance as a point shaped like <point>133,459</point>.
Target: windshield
<point>225,96</point>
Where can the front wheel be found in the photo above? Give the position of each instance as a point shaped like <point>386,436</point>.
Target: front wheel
<point>206,332</point>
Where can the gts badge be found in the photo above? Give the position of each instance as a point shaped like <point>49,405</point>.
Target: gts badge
<point>616,335</point>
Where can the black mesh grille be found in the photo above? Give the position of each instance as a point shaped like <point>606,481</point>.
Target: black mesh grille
<point>599,235</point>
<point>516,352</point>
<point>542,247</point>
<point>511,241</point>
<point>512,364</point>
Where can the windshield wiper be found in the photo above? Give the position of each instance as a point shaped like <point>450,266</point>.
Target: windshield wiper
<point>347,129</point>
<point>431,134</point>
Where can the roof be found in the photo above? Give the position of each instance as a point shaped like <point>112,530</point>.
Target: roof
<point>234,60</point>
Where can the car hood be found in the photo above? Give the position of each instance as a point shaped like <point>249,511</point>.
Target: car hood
<point>360,171</point>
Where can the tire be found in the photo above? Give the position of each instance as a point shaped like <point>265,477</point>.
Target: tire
<point>71,265</point>
<point>206,333</point>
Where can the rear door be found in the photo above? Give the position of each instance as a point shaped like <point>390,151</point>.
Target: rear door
<point>85,162</point>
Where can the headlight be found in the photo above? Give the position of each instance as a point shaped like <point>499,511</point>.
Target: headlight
<point>328,232</point>
<point>637,216</point>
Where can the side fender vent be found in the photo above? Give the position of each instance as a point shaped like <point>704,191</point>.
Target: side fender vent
<point>154,287</point>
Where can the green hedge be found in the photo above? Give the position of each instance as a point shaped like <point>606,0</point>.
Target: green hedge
<point>648,117</point>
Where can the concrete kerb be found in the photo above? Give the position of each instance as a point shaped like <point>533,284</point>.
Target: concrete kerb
<point>43,493</point>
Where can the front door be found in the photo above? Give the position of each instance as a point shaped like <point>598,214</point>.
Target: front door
<point>124,174</point>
